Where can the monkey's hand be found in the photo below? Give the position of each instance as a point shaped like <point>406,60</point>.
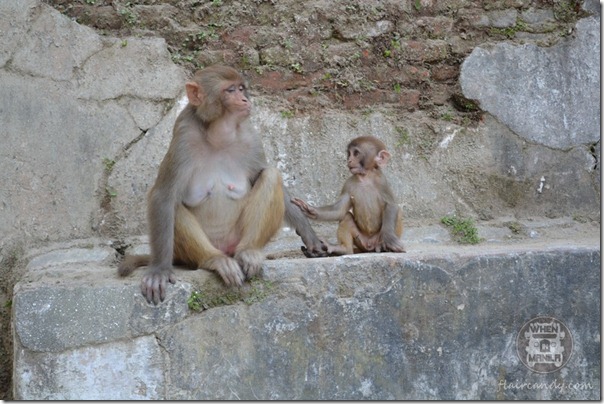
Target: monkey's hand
<point>155,282</point>
<point>250,262</point>
<point>390,243</point>
<point>316,248</point>
<point>228,269</point>
<point>308,210</point>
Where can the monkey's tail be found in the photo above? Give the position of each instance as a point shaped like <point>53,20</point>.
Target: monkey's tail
<point>131,262</point>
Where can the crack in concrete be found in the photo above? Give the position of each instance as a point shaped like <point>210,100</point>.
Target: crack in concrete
<point>593,150</point>
<point>107,193</point>
<point>166,364</point>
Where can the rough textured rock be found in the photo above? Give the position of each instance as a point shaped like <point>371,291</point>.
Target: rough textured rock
<point>107,106</point>
<point>107,371</point>
<point>91,133</point>
<point>87,310</point>
<point>15,21</point>
<point>508,174</point>
<point>440,322</point>
<point>542,94</point>
<point>66,115</point>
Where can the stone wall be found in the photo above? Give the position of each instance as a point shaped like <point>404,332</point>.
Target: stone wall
<point>440,322</point>
<point>86,119</point>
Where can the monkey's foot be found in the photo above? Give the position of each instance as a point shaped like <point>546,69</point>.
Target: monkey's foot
<point>250,262</point>
<point>391,246</point>
<point>228,269</point>
<point>337,250</point>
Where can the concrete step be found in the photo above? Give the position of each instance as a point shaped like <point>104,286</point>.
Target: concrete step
<point>439,322</point>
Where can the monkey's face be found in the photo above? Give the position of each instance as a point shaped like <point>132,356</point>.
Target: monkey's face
<point>236,100</point>
<point>356,161</point>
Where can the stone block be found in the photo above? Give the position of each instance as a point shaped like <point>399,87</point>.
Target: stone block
<point>109,73</point>
<point>53,314</point>
<point>121,370</point>
<point>56,47</point>
<point>15,21</point>
<point>541,93</point>
<point>440,322</point>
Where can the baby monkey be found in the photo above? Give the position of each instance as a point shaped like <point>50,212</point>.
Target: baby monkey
<point>370,219</point>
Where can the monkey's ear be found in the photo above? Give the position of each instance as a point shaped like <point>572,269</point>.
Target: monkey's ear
<point>382,158</point>
<point>194,93</point>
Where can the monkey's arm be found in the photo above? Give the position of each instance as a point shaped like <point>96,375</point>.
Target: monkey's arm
<point>388,240</point>
<point>328,213</point>
<point>161,238</point>
<point>161,212</point>
<point>315,247</point>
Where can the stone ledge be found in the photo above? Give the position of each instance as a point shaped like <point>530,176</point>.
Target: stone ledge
<point>439,322</point>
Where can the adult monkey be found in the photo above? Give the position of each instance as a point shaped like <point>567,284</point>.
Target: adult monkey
<point>215,203</point>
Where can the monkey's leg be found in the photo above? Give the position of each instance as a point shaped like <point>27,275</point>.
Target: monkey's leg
<point>399,226</point>
<point>390,240</point>
<point>347,231</point>
<point>262,212</point>
<point>261,218</point>
<point>193,247</point>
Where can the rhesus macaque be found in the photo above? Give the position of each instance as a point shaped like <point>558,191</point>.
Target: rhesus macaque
<point>370,219</point>
<point>215,203</point>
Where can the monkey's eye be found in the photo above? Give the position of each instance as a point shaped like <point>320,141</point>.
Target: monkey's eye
<point>355,153</point>
<point>231,89</point>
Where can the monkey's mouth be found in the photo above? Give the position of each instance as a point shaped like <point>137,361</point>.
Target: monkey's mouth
<point>244,113</point>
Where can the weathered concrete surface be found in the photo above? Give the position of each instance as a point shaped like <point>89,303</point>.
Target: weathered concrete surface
<point>439,322</point>
<point>106,107</point>
<point>542,94</point>
<point>500,174</point>
<point>484,172</point>
<point>64,121</point>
